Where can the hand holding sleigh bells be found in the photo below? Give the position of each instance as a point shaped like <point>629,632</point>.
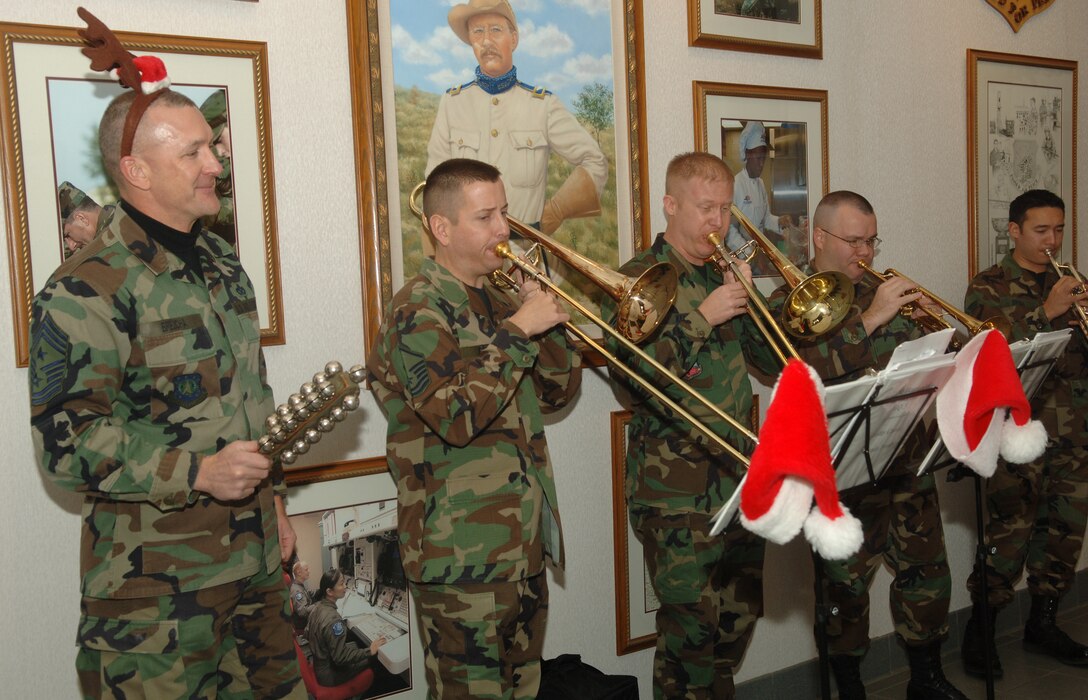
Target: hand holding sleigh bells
<point>316,409</point>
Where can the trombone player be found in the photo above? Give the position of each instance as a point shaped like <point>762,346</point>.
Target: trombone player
<point>900,513</point>
<point>463,375</point>
<point>710,588</point>
<point>1037,511</point>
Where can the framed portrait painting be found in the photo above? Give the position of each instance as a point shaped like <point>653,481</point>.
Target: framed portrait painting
<point>775,140</point>
<point>1022,135</point>
<point>51,163</point>
<point>551,95</point>
<point>786,27</point>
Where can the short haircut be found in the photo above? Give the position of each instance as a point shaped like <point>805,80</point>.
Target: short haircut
<point>328,580</point>
<point>112,127</point>
<point>87,204</point>
<point>447,181</point>
<point>829,206</point>
<point>1032,199</point>
<point>695,164</point>
<point>297,566</point>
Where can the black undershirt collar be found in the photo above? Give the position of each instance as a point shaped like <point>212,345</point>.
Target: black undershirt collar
<point>180,243</point>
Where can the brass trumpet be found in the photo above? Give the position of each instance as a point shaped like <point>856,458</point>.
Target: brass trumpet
<point>642,307</point>
<point>1082,314</point>
<point>816,304</point>
<point>934,321</point>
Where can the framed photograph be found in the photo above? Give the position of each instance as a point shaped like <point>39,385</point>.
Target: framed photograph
<point>49,151</point>
<point>786,27</point>
<point>636,602</point>
<point>1022,135</point>
<point>360,540</point>
<point>412,76</point>
<point>781,134</point>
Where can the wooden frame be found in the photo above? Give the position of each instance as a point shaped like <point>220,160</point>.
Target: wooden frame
<point>796,126</point>
<point>359,538</point>
<point>380,202</point>
<point>796,31</point>
<point>42,62</point>
<point>635,624</point>
<point>1012,146</point>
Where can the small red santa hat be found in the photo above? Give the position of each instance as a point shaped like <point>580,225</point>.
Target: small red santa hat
<point>792,464</point>
<point>971,408</point>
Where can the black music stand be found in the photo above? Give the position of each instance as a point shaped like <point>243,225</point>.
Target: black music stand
<point>869,419</point>
<point>1034,359</point>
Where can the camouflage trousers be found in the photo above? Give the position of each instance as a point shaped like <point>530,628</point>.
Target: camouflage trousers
<point>901,518</point>
<point>1037,515</point>
<point>228,641</point>
<point>483,640</point>
<point>711,594</point>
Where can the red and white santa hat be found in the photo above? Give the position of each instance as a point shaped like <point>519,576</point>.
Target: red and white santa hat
<point>791,465</point>
<point>972,406</point>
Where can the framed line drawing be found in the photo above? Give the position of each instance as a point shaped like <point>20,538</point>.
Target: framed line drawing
<point>48,138</point>
<point>779,190</point>
<point>1022,135</point>
<point>785,27</point>
<point>636,602</point>
<point>404,58</point>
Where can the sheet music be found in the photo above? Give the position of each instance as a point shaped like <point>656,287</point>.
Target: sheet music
<point>893,401</point>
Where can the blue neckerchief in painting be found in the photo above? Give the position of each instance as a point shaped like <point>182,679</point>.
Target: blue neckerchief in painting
<point>494,86</point>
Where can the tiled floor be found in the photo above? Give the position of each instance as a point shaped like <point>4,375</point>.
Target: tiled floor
<point>1027,676</point>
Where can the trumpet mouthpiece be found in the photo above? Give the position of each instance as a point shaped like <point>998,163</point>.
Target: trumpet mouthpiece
<point>502,250</point>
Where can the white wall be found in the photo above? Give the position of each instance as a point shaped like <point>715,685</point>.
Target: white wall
<point>896,78</point>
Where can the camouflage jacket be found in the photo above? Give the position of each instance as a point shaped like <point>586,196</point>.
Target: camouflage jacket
<point>671,466</point>
<point>1007,289</point>
<point>463,390</point>
<point>136,372</point>
<point>844,354</point>
<point>333,644</point>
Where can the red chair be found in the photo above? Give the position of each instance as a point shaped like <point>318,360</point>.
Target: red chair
<point>356,686</point>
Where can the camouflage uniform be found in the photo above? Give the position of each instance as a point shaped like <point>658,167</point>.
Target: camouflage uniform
<point>900,513</point>
<point>1037,510</point>
<point>136,373</point>
<point>710,588</point>
<point>337,657</point>
<point>214,110</point>
<point>463,391</point>
<point>301,603</point>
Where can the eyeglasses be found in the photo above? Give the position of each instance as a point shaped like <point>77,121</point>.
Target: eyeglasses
<point>854,243</point>
<point>495,31</point>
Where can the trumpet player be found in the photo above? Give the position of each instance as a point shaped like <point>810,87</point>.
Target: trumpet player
<point>710,588</point>
<point>1037,511</point>
<point>463,374</point>
<point>900,513</point>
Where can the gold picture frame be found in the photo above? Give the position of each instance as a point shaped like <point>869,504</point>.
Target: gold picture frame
<point>796,125</point>
<point>378,200</point>
<point>1012,147</point>
<point>783,27</point>
<point>37,60</point>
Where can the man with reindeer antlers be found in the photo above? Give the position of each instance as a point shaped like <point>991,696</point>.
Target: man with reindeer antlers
<point>147,390</point>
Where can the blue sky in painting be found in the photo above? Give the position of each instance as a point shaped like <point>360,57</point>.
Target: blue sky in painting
<point>563,45</point>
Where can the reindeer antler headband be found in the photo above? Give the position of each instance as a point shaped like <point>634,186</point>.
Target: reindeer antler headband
<point>144,74</point>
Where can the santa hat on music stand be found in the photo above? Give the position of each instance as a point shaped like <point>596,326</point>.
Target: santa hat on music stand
<point>791,465</point>
<point>971,408</point>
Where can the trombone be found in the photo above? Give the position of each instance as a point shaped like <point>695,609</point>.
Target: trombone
<point>815,305</point>
<point>934,320</point>
<point>655,290</point>
<point>1082,314</point>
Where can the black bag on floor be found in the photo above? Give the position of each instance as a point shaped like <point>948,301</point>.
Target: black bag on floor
<point>568,678</point>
